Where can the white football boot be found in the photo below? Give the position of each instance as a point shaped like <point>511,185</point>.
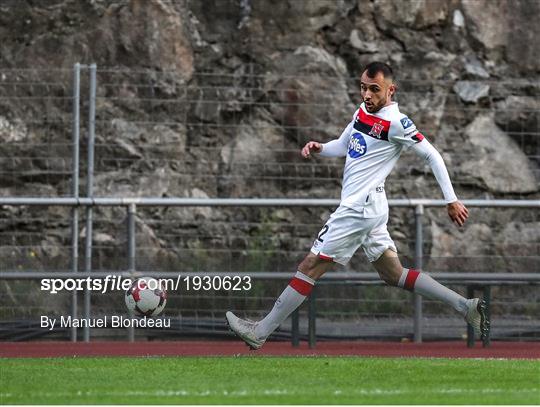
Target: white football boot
<point>245,330</point>
<point>476,316</point>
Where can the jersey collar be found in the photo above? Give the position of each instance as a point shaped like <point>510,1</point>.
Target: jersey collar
<point>390,107</point>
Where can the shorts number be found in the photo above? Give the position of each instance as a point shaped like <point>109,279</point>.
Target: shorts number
<point>322,233</point>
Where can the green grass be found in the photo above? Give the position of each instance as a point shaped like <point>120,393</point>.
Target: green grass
<point>268,380</point>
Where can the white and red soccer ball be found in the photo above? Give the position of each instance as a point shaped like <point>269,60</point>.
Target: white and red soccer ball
<point>146,297</point>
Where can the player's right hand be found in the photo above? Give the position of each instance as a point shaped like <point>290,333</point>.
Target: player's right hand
<point>310,147</point>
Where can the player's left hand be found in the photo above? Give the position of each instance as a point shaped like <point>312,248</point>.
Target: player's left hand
<point>457,212</point>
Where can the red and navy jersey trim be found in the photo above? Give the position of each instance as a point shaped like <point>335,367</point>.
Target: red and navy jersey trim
<point>418,137</point>
<point>372,126</point>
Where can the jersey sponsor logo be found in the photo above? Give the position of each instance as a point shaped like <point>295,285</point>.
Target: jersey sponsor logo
<point>357,146</point>
<point>406,122</point>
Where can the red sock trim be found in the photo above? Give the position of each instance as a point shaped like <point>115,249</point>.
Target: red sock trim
<point>412,275</point>
<point>303,287</point>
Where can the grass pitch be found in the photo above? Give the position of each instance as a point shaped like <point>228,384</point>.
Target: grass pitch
<point>268,380</point>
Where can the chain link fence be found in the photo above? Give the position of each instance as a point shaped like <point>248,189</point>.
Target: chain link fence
<point>238,136</point>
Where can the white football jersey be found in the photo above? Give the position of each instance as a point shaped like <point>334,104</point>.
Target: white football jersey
<point>372,143</point>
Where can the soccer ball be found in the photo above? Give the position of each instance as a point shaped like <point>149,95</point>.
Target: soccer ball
<point>146,297</point>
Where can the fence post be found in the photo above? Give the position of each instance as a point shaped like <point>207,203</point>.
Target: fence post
<point>312,318</point>
<point>470,329</point>
<point>295,328</point>
<point>131,211</point>
<point>487,298</point>
<point>90,190</point>
<point>418,260</point>
<point>75,189</point>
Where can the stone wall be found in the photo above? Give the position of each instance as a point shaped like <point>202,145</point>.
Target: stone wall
<point>276,74</point>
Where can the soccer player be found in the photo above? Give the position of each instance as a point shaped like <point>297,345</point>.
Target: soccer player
<point>372,144</point>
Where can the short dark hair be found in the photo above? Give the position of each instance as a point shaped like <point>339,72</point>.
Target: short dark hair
<point>374,68</point>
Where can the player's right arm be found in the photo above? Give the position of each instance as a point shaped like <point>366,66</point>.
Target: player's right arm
<point>334,148</point>
<point>311,147</point>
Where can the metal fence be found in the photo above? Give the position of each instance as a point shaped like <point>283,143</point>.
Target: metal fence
<point>148,133</point>
<point>389,314</point>
<point>237,134</point>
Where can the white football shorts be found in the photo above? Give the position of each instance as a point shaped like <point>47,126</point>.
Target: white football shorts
<point>347,230</point>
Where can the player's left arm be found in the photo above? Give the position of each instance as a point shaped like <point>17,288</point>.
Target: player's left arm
<point>404,132</point>
<point>456,210</point>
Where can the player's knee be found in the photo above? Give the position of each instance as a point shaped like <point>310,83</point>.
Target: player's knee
<point>389,267</point>
<point>390,277</point>
<point>312,266</point>
<point>308,264</point>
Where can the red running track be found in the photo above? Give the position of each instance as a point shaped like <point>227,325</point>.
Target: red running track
<point>514,350</point>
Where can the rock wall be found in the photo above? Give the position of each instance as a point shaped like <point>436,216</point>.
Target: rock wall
<point>468,73</point>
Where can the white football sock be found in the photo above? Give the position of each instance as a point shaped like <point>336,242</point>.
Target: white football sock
<point>290,299</point>
<point>423,284</point>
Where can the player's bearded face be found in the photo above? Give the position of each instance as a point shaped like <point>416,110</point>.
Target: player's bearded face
<point>376,92</point>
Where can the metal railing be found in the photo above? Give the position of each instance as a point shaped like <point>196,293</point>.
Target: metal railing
<point>473,282</point>
<point>131,205</point>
